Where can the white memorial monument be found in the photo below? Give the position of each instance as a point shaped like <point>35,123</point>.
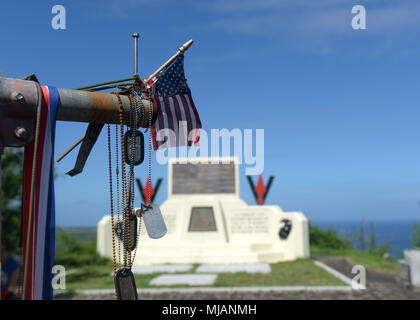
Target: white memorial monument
<point>208,222</point>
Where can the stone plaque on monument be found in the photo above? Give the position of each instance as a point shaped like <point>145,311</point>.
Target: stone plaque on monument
<point>203,178</point>
<point>202,219</point>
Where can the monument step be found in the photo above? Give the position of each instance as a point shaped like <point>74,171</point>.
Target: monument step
<point>270,257</point>
<point>234,268</point>
<point>189,279</point>
<point>261,247</point>
<point>144,258</point>
<point>198,248</point>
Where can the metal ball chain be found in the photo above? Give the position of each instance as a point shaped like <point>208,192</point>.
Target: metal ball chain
<point>117,171</point>
<point>127,239</point>
<point>111,197</point>
<point>138,108</point>
<point>111,203</point>
<point>150,152</point>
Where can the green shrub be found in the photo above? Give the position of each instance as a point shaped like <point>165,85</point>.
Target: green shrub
<point>73,253</point>
<point>328,238</point>
<point>415,235</point>
<point>358,240</point>
<point>11,194</point>
<point>71,260</point>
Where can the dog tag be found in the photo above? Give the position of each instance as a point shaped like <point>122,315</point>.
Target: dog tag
<point>135,144</point>
<point>153,220</point>
<point>125,285</point>
<point>119,231</point>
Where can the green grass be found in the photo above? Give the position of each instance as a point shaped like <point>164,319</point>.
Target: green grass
<point>291,273</point>
<point>99,277</point>
<point>300,272</point>
<point>295,273</point>
<point>368,260</point>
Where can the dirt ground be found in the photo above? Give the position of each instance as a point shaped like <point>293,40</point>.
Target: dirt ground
<point>380,286</point>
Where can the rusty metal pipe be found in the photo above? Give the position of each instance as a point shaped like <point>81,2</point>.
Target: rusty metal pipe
<point>18,99</point>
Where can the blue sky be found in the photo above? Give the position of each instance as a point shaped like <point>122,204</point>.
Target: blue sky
<point>340,107</point>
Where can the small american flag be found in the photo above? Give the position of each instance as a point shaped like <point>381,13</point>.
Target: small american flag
<point>177,123</point>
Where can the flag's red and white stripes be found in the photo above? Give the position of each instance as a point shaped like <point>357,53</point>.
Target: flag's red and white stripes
<point>177,113</point>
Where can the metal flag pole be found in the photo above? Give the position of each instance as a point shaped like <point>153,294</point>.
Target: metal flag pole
<point>136,55</point>
<point>182,49</point>
<point>104,83</point>
<point>71,148</point>
<point>93,88</point>
<point>112,84</point>
<point>100,86</point>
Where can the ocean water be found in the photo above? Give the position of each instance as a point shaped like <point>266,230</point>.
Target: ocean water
<point>395,233</point>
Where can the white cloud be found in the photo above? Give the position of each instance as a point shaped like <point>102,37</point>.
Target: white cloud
<point>319,26</point>
<point>305,25</point>
<point>324,18</point>
<point>275,16</point>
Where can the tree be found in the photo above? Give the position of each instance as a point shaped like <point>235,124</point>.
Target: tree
<point>372,239</point>
<point>415,235</point>
<point>11,193</point>
<point>360,237</point>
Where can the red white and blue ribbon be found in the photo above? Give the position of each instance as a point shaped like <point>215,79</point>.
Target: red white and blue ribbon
<point>42,230</point>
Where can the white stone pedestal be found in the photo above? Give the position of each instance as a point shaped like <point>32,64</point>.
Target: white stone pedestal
<point>411,266</point>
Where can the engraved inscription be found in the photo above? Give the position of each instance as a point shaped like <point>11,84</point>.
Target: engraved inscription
<point>248,222</point>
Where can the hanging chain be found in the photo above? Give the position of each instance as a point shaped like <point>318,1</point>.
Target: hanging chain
<point>127,239</point>
<point>131,156</point>
<point>111,196</point>
<point>128,189</point>
<point>150,152</point>
<point>122,221</point>
<point>133,123</point>
<point>117,171</point>
<point>138,107</point>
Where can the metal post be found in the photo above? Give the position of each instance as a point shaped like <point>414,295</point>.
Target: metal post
<point>136,54</point>
<point>18,100</point>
